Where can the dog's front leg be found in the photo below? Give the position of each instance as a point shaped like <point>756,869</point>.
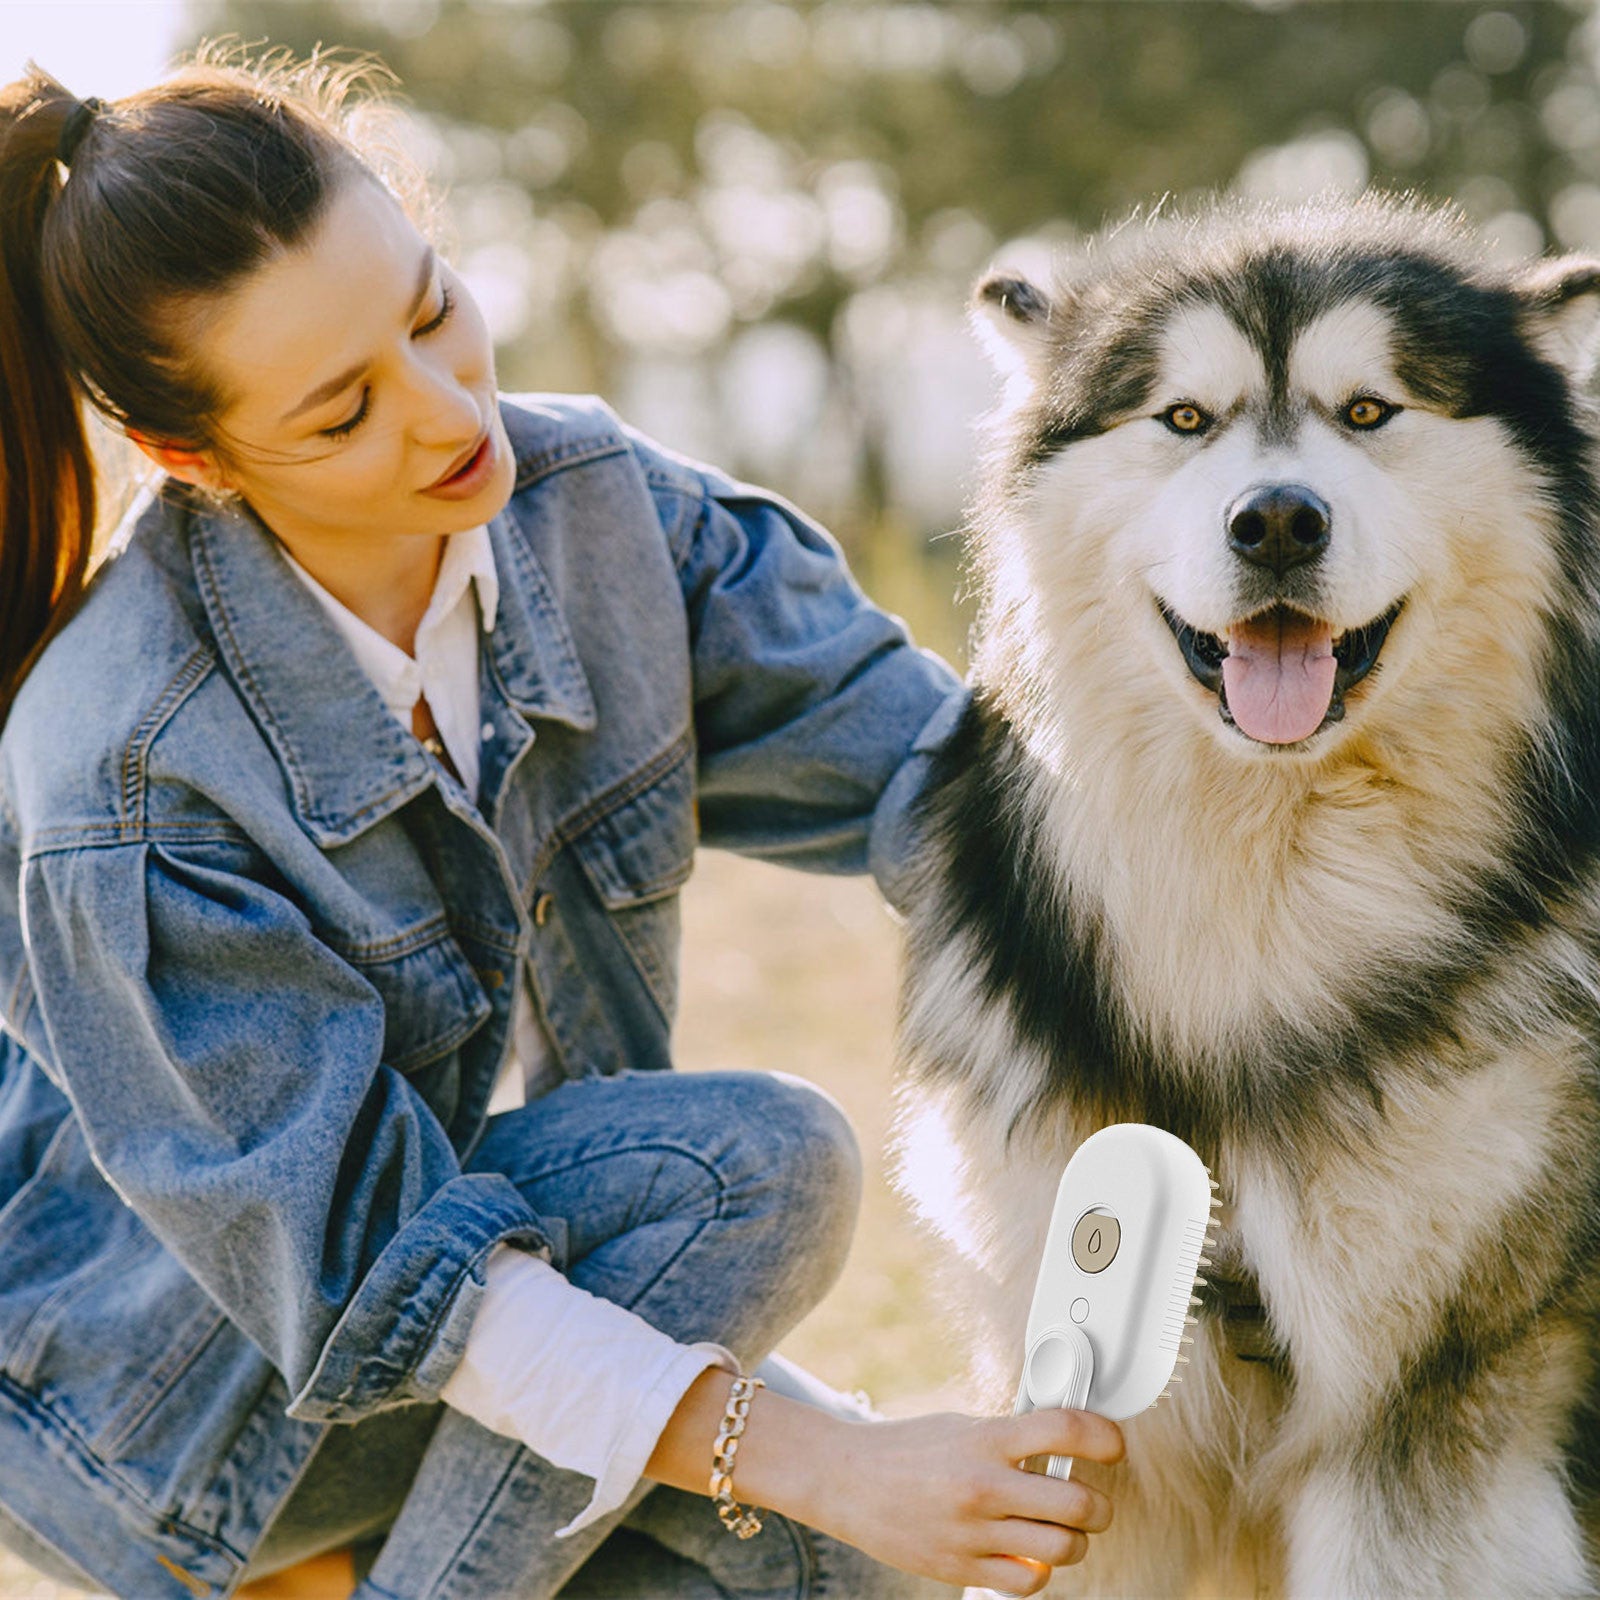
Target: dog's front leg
<point>1351,1539</point>
<point>1440,1498</point>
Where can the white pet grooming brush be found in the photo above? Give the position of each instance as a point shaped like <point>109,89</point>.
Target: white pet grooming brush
<point>1115,1288</point>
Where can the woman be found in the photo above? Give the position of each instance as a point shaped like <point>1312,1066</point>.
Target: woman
<point>343,1193</point>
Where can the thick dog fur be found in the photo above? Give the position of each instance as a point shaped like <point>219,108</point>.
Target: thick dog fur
<point>1357,970</point>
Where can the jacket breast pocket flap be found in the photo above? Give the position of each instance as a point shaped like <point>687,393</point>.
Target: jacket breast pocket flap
<point>432,997</point>
<point>643,849</point>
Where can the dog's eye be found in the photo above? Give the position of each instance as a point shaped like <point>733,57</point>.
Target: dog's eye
<point>1368,412</point>
<point>1185,418</point>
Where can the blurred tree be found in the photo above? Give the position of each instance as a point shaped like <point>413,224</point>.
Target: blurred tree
<point>754,223</point>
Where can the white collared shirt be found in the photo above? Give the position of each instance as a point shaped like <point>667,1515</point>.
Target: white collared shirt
<point>581,1381</point>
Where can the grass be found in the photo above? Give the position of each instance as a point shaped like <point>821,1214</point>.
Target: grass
<point>797,973</point>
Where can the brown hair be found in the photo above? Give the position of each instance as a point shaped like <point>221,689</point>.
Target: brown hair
<point>172,195</point>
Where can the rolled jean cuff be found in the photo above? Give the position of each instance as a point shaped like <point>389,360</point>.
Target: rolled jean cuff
<point>403,1332</point>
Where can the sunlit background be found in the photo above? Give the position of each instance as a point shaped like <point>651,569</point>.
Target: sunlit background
<point>753,227</point>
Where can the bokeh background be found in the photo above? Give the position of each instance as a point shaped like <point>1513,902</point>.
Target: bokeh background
<point>753,227</point>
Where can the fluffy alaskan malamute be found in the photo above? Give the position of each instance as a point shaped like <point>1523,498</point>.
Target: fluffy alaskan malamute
<point>1276,823</point>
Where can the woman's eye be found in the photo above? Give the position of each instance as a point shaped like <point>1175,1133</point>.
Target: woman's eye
<point>341,429</point>
<point>447,304</point>
<point>1185,418</point>
<point>1368,412</point>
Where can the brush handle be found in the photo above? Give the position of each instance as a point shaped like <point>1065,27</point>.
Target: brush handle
<point>1050,1466</point>
<point>1057,1372</point>
<point>1054,1467</point>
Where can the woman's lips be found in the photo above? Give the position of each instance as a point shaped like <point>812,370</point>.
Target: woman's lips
<point>470,475</point>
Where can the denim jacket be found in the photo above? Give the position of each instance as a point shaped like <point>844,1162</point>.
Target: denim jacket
<point>258,952</point>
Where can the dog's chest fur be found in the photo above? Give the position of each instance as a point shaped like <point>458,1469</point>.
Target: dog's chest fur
<point>1372,1123</point>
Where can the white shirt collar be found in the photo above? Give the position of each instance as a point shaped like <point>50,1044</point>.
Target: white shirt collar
<point>468,560</point>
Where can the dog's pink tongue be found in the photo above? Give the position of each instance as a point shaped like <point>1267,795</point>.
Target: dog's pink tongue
<point>1279,676</point>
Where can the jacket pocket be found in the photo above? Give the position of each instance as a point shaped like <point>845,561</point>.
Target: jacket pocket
<point>636,857</point>
<point>432,997</point>
<point>61,1234</point>
<point>95,1317</point>
<point>103,1329</point>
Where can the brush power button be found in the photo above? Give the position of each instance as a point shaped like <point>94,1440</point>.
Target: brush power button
<point>1095,1240</point>
<point>1059,1368</point>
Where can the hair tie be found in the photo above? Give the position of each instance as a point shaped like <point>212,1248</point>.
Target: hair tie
<point>76,125</point>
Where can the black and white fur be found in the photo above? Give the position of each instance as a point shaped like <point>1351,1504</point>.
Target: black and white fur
<point>1359,972</point>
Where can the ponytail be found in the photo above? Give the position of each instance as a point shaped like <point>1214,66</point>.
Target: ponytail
<point>173,195</point>
<point>47,493</point>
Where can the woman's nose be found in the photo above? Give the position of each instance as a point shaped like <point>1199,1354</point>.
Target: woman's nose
<point>444,409</point>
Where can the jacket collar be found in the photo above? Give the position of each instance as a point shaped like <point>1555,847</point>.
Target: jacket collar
<point>347,761</point>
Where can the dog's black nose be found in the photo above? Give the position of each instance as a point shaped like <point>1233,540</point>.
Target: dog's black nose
<point>1280,526</point>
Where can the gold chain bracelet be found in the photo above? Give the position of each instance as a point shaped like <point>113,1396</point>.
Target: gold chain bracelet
<point>737,1519</point>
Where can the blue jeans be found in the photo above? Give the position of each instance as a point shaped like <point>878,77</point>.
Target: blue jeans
<point>718,1206</point>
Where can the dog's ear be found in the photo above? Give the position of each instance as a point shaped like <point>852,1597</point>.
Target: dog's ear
<point>1562,297</point>
<point>1018,299</point>
<point>1012,317</point>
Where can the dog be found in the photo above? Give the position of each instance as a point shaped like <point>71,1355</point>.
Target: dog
<point>1274,821</point>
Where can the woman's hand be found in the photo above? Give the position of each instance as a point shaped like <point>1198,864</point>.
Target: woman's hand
<point>945,1496</point>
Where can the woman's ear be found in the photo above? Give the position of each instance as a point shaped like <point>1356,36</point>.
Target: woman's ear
<point>186,464</point>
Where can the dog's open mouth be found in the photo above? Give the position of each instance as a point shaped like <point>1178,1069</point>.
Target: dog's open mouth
<point>1281,675</point>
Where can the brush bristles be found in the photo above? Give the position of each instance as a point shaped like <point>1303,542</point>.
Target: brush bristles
<point>1208,1243</point>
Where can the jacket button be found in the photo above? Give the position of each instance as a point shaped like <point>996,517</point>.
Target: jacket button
<point>541,909</point>
<point>492,977</point>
